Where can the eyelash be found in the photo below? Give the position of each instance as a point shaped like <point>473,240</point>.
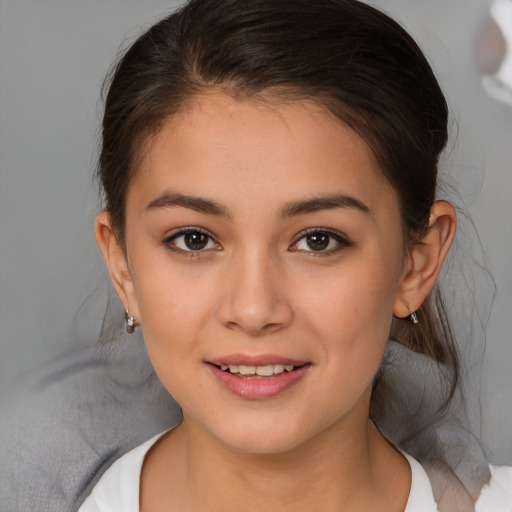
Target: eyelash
<point>341,239</point>
<point>342,242</point>
<point>169,241</point>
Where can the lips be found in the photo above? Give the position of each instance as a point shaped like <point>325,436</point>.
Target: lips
<point>260,377</point>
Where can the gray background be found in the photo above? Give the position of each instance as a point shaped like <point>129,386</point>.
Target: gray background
<point>53,57</point>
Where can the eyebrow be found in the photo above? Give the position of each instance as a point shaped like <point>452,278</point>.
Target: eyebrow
<point>198,204</point>
<point>293,209</point>
<point>323,203</point>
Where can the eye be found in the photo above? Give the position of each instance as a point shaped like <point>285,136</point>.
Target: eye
<point>320,241</point>
<point>191,240</point>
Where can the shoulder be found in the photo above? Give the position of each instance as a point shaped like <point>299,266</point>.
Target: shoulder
<point>118,488</point>
<point>496,496</point>
<point>421,497</point>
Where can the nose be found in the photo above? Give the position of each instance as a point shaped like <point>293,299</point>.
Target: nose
<point>254,298</point>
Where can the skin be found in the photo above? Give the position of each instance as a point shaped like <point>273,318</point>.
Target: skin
<point>258,288</point>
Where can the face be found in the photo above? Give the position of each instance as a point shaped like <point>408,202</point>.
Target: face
<point>264,258</point>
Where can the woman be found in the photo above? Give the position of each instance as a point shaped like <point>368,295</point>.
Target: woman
<point>270,172</point>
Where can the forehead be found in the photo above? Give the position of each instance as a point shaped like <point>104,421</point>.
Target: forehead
<point>223,146</point>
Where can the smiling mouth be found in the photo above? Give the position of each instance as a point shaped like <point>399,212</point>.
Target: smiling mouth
<point>258,381</point>
<point>256,372</point>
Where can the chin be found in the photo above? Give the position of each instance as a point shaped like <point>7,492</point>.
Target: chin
<point>262,444</point>
<point>263,436</point>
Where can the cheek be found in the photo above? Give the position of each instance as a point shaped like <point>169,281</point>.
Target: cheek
<point>350,318</point>
<point>174,302</point>
<point>350,314</point>
<point>352,298</point>
<point>173,309</point>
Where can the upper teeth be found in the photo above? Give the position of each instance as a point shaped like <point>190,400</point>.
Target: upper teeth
<point>263,371</point>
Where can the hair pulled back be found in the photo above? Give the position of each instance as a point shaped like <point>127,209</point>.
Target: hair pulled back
<point>343,54</point>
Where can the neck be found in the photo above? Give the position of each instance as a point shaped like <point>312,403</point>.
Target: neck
<point>338,470</point>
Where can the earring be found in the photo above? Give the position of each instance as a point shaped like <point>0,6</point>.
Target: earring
<point>129,322</point>
<point>414,318</point>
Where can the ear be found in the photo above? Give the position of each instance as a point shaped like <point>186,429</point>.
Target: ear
<point>116,261</point>
<point>425,259</point>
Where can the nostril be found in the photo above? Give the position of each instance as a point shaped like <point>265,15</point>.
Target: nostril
<point>252,302</point>
<point>254,329</point>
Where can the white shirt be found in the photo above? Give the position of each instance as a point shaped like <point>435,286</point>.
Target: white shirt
<point>118,488</point>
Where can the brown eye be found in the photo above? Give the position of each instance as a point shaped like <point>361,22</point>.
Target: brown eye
<point>191,241</point>
<point>318,241</point>
<point>196,241</point>
<point>321,241</point>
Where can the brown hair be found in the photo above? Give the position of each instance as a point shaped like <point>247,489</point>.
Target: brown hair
<point>343,54</point>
